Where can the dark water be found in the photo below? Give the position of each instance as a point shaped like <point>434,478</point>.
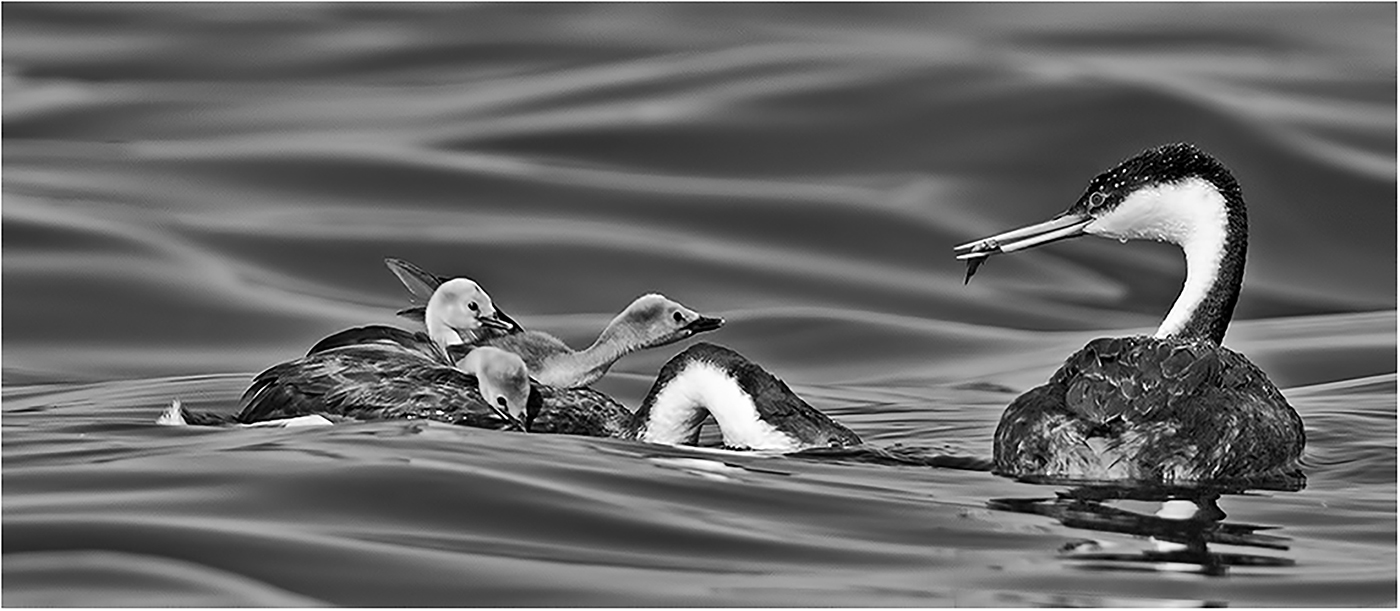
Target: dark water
<point>195,192</point>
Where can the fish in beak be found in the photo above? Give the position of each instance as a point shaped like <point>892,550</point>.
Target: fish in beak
<point>1062,227</point>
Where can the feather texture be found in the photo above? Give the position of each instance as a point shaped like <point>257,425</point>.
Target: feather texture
<point>1153,409</point>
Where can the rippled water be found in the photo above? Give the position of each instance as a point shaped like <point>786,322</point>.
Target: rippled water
<point>193,193</point>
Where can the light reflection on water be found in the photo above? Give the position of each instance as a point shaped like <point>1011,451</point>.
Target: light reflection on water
<point>195,193</point>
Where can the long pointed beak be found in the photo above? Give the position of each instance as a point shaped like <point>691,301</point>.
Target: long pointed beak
<point>1059,228</point>
<point>1062,227</point>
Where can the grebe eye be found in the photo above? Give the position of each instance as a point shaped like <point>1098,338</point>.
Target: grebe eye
<point>473,307</point>
<point>1097,199</point>
<point>501,401</point>
<point>678,317</point>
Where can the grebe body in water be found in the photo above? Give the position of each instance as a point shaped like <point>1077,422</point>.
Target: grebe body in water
<point>385,372</point>
<point>650,321</point>
<point>489,388</point>
<point>1174,407</point>
<point>753,409</point>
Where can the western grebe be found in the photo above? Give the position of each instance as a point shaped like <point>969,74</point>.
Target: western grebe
<point>1173,407</point>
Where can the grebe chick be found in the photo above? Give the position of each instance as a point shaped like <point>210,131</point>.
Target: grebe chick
<point>374,381</point>
<point>421,285</point>
<point>459,314</point>
<point>649,322</point>
<point>1174,407</point>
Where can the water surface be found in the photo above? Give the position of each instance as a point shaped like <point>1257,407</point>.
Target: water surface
<point>194,193</point>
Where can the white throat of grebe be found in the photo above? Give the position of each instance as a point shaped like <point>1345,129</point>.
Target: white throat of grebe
<point>1191,214</point>
<point>679,408</point>
<point>1173,193</point>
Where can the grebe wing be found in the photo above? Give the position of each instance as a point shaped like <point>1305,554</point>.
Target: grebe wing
<point>577,411</point>
<point>1150,408</point>
<point>415,341</point>
<point>420,283</point>
<point>779,403</point>
<point>367,382</point>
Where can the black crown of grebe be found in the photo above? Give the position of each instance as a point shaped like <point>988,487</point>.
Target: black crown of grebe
<point>648,322</point>
<point>1174,407</point>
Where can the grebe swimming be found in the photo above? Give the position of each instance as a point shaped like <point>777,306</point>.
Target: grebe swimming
<point>489,388</point>
<point>1174,407</point>
<point>379,368</point>
<point>754,409</point>
<point>648,322</point>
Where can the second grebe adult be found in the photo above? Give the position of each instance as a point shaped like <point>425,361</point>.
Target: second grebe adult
<point>1176,407</point>
<point>367,369</point>
<point>489,388</point>
<point>753,409</point>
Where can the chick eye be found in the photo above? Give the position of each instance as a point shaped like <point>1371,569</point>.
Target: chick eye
<point>501,401</point>
<point>473,307</point>
<point>677,316</point>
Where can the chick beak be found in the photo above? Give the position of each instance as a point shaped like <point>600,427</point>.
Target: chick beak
<point>703,324</point>
<point>499,322</point>
<point>511,421</point>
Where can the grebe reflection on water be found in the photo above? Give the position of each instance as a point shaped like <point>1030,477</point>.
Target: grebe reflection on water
<point>1173,407</point>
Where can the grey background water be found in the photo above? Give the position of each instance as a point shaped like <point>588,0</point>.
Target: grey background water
<point>195,192</point>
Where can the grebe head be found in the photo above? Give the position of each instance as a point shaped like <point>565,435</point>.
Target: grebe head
<point>422,284</point>
<point>754,409</point>
<point>653,320</point>
<point>1173,193</point>
<point>458,312</point>
<point>503,381</point>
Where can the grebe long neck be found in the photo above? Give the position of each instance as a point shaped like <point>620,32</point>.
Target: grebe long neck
<point>1206,218</point>
<point>583,367</point>
<point>443,334</point>
<point>677,404</point>
<point>1215,257</point>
